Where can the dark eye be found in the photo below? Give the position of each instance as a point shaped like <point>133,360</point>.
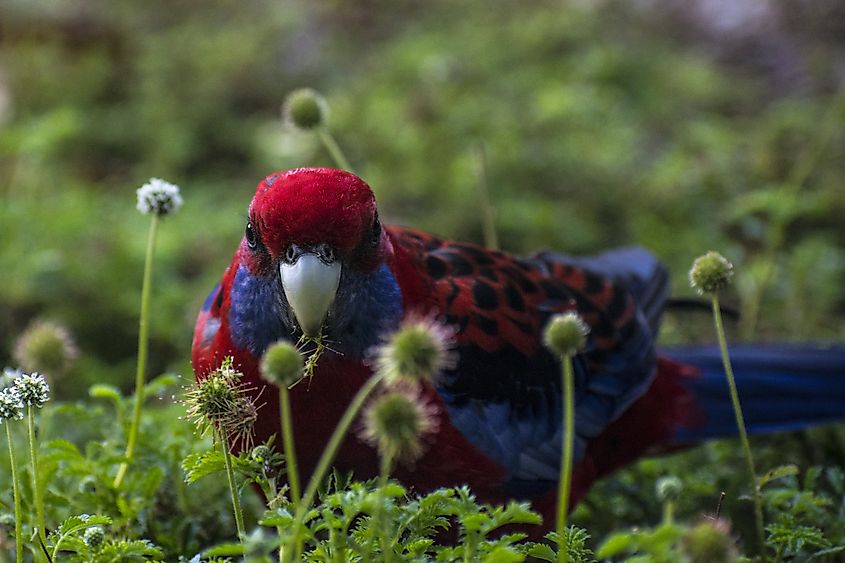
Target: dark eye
<point>251,238</point>
<point>375,233</point>
<point>291,254</point>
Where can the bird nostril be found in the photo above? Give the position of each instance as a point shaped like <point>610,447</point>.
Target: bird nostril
<point>325,252</point>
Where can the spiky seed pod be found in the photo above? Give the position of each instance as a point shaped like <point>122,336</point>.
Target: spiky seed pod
<point>158,196</point>
<point>221,402</point>
<point>710,273</point>
<point>11,405</point>
<point>418,351</point>
<point>710,541</point>
<point>282,364</point>
<point>305,108</point>
<point>668,488</point>
<point>32,389</point>
<point>566,334</point>
<point>47,347</point>
<point>396,423</point>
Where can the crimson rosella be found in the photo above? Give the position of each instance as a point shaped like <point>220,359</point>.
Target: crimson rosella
<point>315,259</point>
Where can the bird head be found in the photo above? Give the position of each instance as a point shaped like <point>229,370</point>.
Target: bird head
<point>311,229</point>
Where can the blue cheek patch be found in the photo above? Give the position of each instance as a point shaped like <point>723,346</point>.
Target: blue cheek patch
<point>367,307</point>
<point>255,316</point>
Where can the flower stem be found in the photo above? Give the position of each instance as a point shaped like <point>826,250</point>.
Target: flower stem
<point>143,347</point>
<point>668,513</point>
<point>327,457</point>
<point>17,495</point>
<point>740,422</point>
<point>565,481</point>
<point>290,452</point>
<point>334,149</point>
<point>36,484</point>
<point>488,212</point>
<point>233,489</point>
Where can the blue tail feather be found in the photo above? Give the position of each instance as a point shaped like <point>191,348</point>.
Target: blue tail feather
<point>782,387</point>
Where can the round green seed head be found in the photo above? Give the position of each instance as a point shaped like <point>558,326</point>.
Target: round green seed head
<point>46,347</point>
<point>94,537</point>
<point>668,488</point>
<point>306,109</point>
<point>282,364</point>
<point>566,334</point>
<point>395,423</point>
<point>710,542</point>
<point>418,351</point>
<point>415,352</point>
<point>710,273</point>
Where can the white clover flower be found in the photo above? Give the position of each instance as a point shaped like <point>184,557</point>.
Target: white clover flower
<point>11,405</point>
<point>159,197</point>
<point>32,389</point>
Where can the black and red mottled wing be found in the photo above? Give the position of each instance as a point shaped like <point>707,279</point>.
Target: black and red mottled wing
<point>504,394</point>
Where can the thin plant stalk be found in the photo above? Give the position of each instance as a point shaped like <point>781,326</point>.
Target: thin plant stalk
<point>488,212</point>
<point>740,422</point>
<point>17,496</point>
<point>668,512</point>
<point>36,484</point>
<point>287,439</point>
<point>233,489</point>
<point>328,456</point>
<point>143,348</point>
<point>334,149</point>
<point>565,481</point>
<point>290,453</point>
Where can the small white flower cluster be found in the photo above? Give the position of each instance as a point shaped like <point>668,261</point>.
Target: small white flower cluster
<point>11,405</point>
<point>159,197</point>
<point>21,390</point>
<point>32,388</point>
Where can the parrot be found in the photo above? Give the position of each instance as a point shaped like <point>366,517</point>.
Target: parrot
<point>316,261</point>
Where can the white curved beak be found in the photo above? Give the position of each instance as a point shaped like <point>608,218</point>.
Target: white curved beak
<point>310,286</point>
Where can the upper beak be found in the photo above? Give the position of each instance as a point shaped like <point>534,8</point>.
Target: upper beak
<point>310,285</point>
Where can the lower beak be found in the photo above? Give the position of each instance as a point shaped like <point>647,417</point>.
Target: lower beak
<point>310,285</point>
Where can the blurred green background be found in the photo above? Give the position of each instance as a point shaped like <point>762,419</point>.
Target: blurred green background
<point>681,126</point>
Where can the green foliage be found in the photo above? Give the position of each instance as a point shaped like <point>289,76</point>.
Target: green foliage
<point>71,542</point>
<point>576,546</point>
